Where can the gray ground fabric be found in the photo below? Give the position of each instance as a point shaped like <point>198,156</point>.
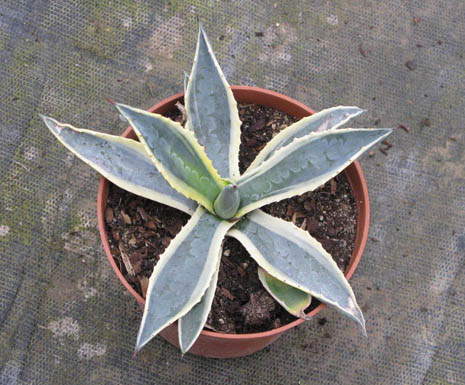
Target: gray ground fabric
<point>65,318</point>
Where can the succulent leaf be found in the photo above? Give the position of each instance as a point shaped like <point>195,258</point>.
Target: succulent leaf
<point>304,165</point>
<point>295,301</point>
<point>328,119</point>
<point>212,110</point>
<point>122,161</point>
<point>228,202</point>
<point>176,154</point>
<point>183,273</point>
<point>294,257</point>
<point>190,326</point>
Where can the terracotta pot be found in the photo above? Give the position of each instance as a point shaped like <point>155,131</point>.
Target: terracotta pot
<point>220,345</point>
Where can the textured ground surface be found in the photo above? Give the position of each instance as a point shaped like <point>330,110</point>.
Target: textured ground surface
<point>64,317</point>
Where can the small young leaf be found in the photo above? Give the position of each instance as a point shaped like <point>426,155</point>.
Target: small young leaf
<point>295,301</point>
<point>228,201</point>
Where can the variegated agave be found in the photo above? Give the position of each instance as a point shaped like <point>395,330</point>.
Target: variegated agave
<point>169,165</point>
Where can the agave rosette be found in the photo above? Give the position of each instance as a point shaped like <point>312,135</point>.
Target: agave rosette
<point>196,169</point>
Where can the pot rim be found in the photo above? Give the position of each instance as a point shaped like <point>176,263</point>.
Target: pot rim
<point>299,110</point>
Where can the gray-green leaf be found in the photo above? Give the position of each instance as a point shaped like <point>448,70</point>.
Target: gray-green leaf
<point>212,110</point>
<point>122,161</point>
<point>190,326</point>
<point>328,119</point>
<point>294,257</point>
<point>183,273</point>
<point>176,154</point>
<point>304,165</point>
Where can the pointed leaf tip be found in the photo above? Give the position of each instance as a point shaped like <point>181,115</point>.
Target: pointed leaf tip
<point>305,316</point>
<point>361,324</point>
<point>46,119</point>
<point>110,101</point>
<point>356,314</point>
<point>52,124</point>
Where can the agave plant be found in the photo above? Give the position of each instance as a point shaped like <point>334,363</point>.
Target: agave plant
<point>196,169</point>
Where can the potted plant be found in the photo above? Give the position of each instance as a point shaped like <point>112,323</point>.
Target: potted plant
<point>196,170</point>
